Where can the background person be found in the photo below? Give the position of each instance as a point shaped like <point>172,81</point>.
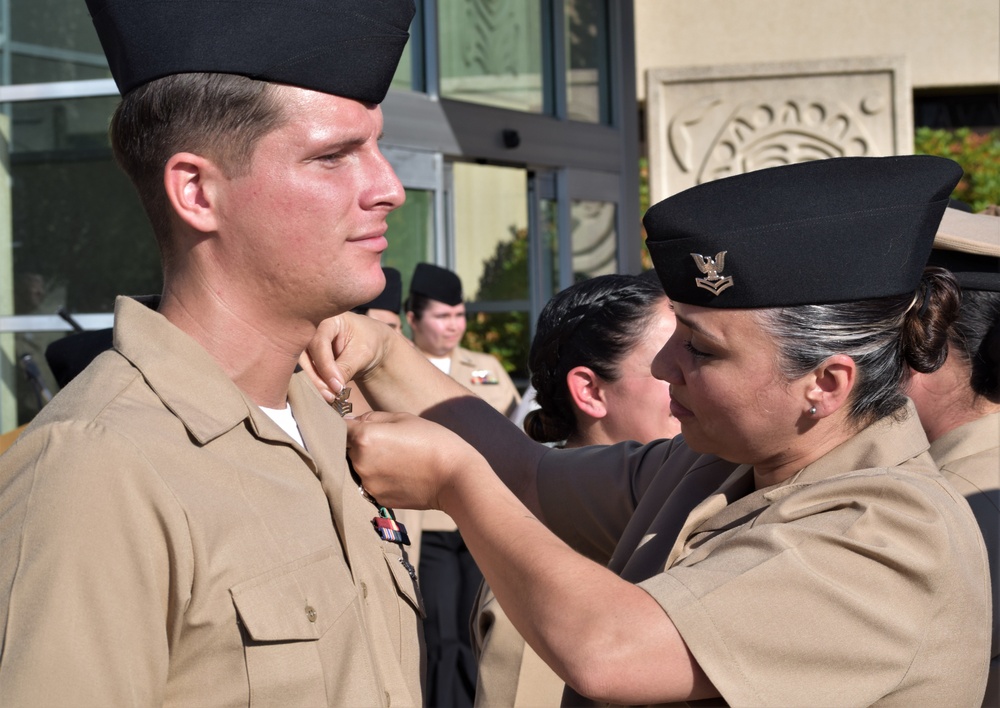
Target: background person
<point>590,363</point>
<point>179,525</point>
<point>435,311</point>
<point>796,545</point>
<point>959,404</point>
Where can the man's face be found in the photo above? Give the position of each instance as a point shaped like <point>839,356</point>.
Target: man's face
<point>303,230</point>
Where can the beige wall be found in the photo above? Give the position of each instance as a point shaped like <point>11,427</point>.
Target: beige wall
<point>947,42</point>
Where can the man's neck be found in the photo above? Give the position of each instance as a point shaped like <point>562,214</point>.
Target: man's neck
<point>258,357</point>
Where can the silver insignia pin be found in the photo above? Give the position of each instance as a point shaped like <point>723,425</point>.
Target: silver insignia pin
<point>710,267</point>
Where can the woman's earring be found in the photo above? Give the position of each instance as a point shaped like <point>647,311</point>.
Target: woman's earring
<point>812,411</point>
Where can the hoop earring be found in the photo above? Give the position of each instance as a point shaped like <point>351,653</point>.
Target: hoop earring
<point>812,411</point>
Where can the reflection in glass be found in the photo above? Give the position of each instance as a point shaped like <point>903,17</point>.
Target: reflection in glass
<point>51,40</point>
<point>587,60</point>
<point>34,384</point>
<point>491,52</point>
<point>594,238</point>
<point>410,234</point>
<point>491,257</point>
<point>78,230</point>
<point>549,226</point>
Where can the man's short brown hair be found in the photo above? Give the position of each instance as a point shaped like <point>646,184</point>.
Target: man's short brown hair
<point>218,116</point>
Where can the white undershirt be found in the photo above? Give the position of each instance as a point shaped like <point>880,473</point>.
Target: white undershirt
<point>286,421</point>
<point>443,363</point>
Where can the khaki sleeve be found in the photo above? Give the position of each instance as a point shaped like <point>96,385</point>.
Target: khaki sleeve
<point>95,570</point>
<point>832,595</point>
<point>588,494</point>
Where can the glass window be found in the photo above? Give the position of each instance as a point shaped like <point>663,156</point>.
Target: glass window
<point>587,60</point>
<point>491,52</point>
<point>594,238</point>
<point>78,231</point>
<point>50,40</point>
<point>549,226</point>
<point>491,257</point>
<point>410,234</point>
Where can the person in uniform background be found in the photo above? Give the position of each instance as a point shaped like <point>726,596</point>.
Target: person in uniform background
<point>385,308</point>
<point>590,364</point>
<point>179,525</point>
<point>959,404</point>
<point>435,311</point>
<point>796,545</point>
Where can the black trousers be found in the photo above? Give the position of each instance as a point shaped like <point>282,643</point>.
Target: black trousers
<point>449,581</point>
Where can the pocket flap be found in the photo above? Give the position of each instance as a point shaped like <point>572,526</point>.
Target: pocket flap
<point>297,601</point>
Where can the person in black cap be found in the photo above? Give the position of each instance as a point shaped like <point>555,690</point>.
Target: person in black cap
<point>386,307</point>
<point>435,311</point>
<point>796,544</point>
<point>959,404</point>
<point>179,525</point>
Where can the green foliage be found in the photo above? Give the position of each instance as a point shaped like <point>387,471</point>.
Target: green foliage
<point>505,335</point>
<point>977,153</point>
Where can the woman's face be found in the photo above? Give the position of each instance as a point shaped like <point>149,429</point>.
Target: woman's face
<point>439,329</point>
<point>725,388</point>
<point>638,404</point>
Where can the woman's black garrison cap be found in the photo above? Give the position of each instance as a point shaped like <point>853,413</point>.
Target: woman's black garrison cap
<point>348,48</point>
<point>835,230</point>
<point>436,283</point>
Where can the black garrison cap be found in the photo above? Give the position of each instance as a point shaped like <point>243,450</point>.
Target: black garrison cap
<point>835,230</point>
<point>347,48</point>
<point>391,297</point>
<point>436,283</point>
<point>969,246</point>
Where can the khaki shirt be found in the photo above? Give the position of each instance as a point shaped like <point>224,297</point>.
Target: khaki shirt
<point>969,457</point>
<point>861,580</point>
<point>163,542</point>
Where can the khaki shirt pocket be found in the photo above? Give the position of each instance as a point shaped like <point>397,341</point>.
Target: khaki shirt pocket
<point>284,614</point>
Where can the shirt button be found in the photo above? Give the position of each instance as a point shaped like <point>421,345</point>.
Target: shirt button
<point>364,590</point>
<point>310,613</point>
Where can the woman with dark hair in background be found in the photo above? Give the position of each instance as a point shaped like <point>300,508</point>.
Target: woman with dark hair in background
<point>590,366</point>
<point>590,363</point>
<point>796,545</point>
<point>959,404</point>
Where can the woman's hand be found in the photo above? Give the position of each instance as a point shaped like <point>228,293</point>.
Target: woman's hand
<point>408,462</point>
<point>344,348</point>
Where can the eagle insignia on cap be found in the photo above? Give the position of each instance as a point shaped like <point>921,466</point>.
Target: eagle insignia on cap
<point>711,267</point>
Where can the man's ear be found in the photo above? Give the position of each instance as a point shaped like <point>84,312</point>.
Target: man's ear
<point>190,182</point>
<point>585,390</point>
<point>829,386</point>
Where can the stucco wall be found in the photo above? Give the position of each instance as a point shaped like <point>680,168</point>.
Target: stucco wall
<point>947,42</point>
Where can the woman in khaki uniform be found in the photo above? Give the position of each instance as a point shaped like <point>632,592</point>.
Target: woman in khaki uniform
<point>448,574</point>
<point>796,545</point>
<point>959,404</point>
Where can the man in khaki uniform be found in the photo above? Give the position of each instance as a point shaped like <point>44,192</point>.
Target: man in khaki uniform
<point>796,545</point>
<point>959,404</point>
<point>180,526</point>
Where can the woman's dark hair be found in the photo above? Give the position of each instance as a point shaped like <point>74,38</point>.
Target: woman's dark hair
<point>975,338</point>
<point>595,323</point>
<point>884,337</point>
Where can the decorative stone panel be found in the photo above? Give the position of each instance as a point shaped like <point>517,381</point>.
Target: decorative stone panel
<point>704,123</point>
